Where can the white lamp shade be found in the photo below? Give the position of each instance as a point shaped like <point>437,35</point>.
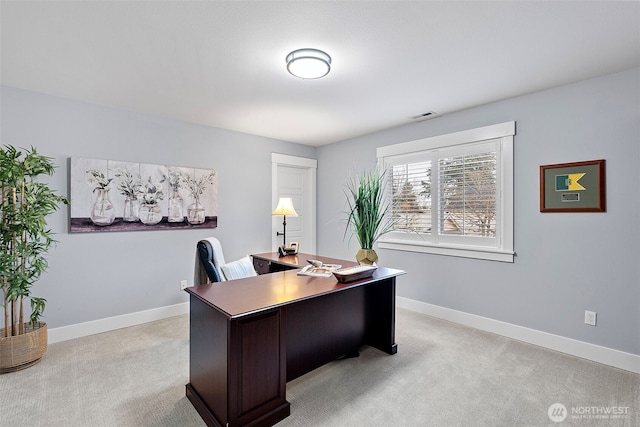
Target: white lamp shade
<point>308,63</point>
<point>285,207</point>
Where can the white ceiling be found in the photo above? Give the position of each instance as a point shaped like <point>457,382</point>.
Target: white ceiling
<point>222,63</point>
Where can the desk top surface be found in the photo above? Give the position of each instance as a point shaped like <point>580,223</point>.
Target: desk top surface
<point>254,294</point>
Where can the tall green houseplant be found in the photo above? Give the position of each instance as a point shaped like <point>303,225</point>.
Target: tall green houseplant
<point>368,213</point>
<point>24,242</point>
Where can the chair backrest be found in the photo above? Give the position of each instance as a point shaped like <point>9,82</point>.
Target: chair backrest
<point>208,259</point>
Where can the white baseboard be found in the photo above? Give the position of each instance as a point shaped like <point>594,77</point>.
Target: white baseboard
<point>65,333</point>
<point>608,356</point>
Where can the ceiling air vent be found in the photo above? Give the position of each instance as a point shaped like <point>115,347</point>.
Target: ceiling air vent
<point>424,116</point>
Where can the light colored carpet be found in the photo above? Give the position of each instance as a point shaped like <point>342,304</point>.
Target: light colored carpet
<point>443,375</point>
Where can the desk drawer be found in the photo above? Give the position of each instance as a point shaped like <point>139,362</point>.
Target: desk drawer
<point>261,266</point>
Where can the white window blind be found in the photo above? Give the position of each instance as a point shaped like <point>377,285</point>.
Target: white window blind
<point>467,190</point>
<point>411,196</point>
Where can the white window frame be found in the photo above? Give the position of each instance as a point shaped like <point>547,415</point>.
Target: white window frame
<point>501,248</point>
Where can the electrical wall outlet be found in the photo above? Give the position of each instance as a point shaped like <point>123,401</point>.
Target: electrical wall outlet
<point>590,317</point>
<point>183,285</point>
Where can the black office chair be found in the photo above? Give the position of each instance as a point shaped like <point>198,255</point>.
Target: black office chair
<point>207,261</point>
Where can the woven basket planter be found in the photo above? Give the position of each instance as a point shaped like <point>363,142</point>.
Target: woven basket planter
<point>22,351</point>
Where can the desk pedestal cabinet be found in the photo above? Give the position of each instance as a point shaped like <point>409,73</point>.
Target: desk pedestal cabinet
<point>251,336</point>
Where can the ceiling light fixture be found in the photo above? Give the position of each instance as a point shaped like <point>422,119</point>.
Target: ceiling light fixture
<point>308,63</point>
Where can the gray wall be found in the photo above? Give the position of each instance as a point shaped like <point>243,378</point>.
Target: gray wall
<point>566,262</point>
<point>98,275</point>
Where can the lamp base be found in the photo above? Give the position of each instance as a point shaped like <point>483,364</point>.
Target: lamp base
<point>292,249</point>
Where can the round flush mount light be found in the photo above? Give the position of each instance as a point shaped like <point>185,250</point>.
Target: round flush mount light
<point>308,63</point>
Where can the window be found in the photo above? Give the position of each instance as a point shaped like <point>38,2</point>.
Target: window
<point>453,194</point>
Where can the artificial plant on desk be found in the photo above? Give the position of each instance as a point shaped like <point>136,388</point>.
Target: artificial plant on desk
<point>368,213</point>
<point>24,241</point>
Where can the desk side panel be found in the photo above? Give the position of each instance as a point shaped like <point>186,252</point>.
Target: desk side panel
<point>381,315</point>
<point>208,368</point>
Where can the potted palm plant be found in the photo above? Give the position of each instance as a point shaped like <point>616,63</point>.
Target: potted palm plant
<point>24,242</point>
<point>368,214</point>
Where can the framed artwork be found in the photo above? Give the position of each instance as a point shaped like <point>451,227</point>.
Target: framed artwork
<point>573,187</point>
<point>111,195</point>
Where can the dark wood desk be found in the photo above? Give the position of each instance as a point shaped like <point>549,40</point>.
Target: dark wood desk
<point>250,336</point>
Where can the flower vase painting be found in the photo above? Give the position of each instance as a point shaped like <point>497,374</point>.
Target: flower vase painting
<point>111,195</point>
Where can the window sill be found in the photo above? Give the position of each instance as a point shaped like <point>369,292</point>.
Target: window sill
<point>486,253</point>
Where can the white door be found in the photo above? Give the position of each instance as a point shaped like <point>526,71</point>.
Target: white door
<point>295,177</point>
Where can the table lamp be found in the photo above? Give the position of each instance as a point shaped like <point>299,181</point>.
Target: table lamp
<point>284,208</point>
